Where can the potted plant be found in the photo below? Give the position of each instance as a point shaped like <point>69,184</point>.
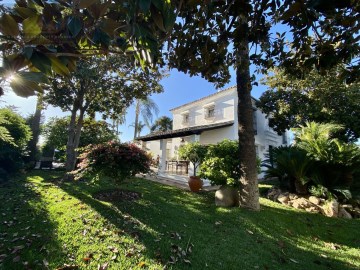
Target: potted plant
<point>221,167</point>
<point>194,152</point>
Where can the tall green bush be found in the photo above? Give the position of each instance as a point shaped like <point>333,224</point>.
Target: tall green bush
<point>15,134</point>
<point>221,164</point>
<point>113,159</point>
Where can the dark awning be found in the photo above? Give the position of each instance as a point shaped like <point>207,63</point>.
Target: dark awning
<point>183,132</point>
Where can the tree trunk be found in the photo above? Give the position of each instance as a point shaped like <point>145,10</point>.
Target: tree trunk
<point>137,113</point>
<point>70,145</point>
<point>249,192</point>
<point>35,128</point>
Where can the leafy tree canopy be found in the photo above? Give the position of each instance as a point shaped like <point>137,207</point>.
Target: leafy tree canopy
<point>106,86</point>
<point>93,132</point>
<point>290,102</point>
<point>43,37</point>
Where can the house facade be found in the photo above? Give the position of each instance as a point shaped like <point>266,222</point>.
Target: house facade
<point>209,120</point>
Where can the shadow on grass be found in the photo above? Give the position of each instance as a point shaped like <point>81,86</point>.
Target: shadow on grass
<point>275,238</point>
<point>27,234</point>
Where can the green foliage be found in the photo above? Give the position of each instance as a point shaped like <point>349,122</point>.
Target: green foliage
<point>291,165</point>
<point>162,124</point>
<point>193,152</point>
<point>290,101</point>
<point>221,164</point>
<point>34,35</point>
<point>16,127</point>
<point>317,159</point>
<point>336,161</point>
<point>15,135</point>
<point>113,159</point>
<point>55,132</point>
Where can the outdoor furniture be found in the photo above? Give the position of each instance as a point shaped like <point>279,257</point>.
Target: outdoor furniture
<point>46,162</point>
<point>177,166</point>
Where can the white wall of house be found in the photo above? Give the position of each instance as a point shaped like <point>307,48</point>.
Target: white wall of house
<point>217,108</point>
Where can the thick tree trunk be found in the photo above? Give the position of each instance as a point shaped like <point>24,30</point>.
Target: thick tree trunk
<point>73,141</point>
<point>70,145</point>
<point>137,113</point>
<point>35,128</point>
<point>249,192</point>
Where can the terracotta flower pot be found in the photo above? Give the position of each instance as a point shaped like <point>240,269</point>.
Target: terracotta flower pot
<point>195,183</point>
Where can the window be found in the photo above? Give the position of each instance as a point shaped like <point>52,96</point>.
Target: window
<point>185,119</point>
<point>210,111</point>
<point>254,121</point>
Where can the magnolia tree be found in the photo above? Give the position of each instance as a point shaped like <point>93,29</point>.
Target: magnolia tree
<point>210,39</point>
<point>98,86</point>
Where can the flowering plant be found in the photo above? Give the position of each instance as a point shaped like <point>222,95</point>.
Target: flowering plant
<point>113,159</point>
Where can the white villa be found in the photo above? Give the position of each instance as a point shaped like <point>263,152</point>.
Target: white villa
<point>207,120</point>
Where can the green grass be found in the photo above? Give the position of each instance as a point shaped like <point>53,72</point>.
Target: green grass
<point>46,225</point>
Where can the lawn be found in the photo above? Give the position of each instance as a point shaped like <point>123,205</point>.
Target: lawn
<point>45,224</point>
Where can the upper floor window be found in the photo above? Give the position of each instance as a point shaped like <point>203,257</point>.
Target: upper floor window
<point>210,111</point>
<point>185,118</point>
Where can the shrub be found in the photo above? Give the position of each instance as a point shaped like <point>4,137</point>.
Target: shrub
<point>291,166</point>
<point>193,152</point>
<point>335,161</point>
<point>221,165</point>
<point>113,159</point>
<point>13,140</point>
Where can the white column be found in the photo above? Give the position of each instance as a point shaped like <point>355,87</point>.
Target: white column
<point>162,166</point>
<point>143,145</point>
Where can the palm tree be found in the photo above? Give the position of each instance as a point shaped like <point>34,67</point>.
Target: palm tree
<point>162,124</point>
<point>138,127</point>
<point>146,108</point>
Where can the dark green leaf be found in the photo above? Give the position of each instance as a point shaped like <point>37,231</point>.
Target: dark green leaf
<point>8,25</point>
<point>32,27</point>
<point>86,3</point>
<point>75,26</point>
<point>28,51</point>
<point>145,5</point>
<point>59,67</point>
<point>38,77</point>
<point>41,62</point>
<point>24,88</point>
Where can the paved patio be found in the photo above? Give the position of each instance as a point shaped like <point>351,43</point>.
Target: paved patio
<point>179,181</point>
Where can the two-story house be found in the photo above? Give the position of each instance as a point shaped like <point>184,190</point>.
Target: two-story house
<point>209,120</point>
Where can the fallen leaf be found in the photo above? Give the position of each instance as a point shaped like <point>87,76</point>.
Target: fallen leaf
<point>294,261</point>
<point>250,232</point>
<point>16,259</point>
<point>141,264</point>
<point>86,259</point>
<point>187,261</point>
<point>218,223</point>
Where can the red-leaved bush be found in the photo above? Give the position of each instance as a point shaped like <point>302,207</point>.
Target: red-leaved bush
<point>113,159</point>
